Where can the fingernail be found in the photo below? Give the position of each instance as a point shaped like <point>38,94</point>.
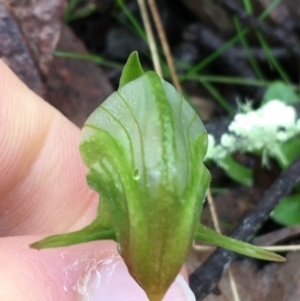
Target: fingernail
<point>110,281</point>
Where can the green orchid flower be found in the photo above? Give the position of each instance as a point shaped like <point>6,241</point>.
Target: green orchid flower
<point>144,147</point>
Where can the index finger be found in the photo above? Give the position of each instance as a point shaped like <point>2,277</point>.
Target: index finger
<point>42,182</point>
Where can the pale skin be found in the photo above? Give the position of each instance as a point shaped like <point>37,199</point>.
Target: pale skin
<point>43,191</point>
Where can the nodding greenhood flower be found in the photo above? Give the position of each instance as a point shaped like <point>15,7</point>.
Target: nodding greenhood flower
<point>144,147</point>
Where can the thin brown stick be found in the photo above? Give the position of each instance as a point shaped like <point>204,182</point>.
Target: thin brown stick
<point>214,215</point>
<point>213,211</point>
<point>164,44</point>
<point>150,36</point>
<point>233,286</point>
<point>291,43</point>
<point>205,278</point>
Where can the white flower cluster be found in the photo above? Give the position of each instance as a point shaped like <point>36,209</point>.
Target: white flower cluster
<point>262,130</point>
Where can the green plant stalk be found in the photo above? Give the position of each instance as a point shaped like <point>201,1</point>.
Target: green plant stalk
<point>220,99</point>
<point>248,6</point>
<point>227,45</point>
<point>245,44</point>
<point>89,57</point>
<point>272,59</point>
<point>70,8</point>
<point>231,80</point>
<point>207,78</point>
<point>80,13</point>
<point>139,29</point>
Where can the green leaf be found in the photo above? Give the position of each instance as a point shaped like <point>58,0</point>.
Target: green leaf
<point>132,70</point>
<point>280,91</point>
<point>90,233</point>
<point>101,228</point>
<point>287,152</point>
<point>236,171</point>
<point>210,236</point>
<point>287,212</point>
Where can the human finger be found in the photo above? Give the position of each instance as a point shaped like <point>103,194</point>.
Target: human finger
<point>82,273</point>
<point>42,182</point>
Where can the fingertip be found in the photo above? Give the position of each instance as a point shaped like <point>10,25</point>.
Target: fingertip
<point>50,274</point>
<point>87,272</point>
<point>42,184</point>
<point>180,291</point>
<point>111,281</point>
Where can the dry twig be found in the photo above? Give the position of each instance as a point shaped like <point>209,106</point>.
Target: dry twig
<point>218,229</point>
<point>164,43</point>
<point>150,36</point>
<point>205,278</point>
<point>281,35</point>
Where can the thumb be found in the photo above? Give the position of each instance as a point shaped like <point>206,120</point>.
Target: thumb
<point>87,272</point>
<point>112,282</point>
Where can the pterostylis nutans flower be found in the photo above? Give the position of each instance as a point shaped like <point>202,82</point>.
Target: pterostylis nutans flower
<point>144,147</point>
